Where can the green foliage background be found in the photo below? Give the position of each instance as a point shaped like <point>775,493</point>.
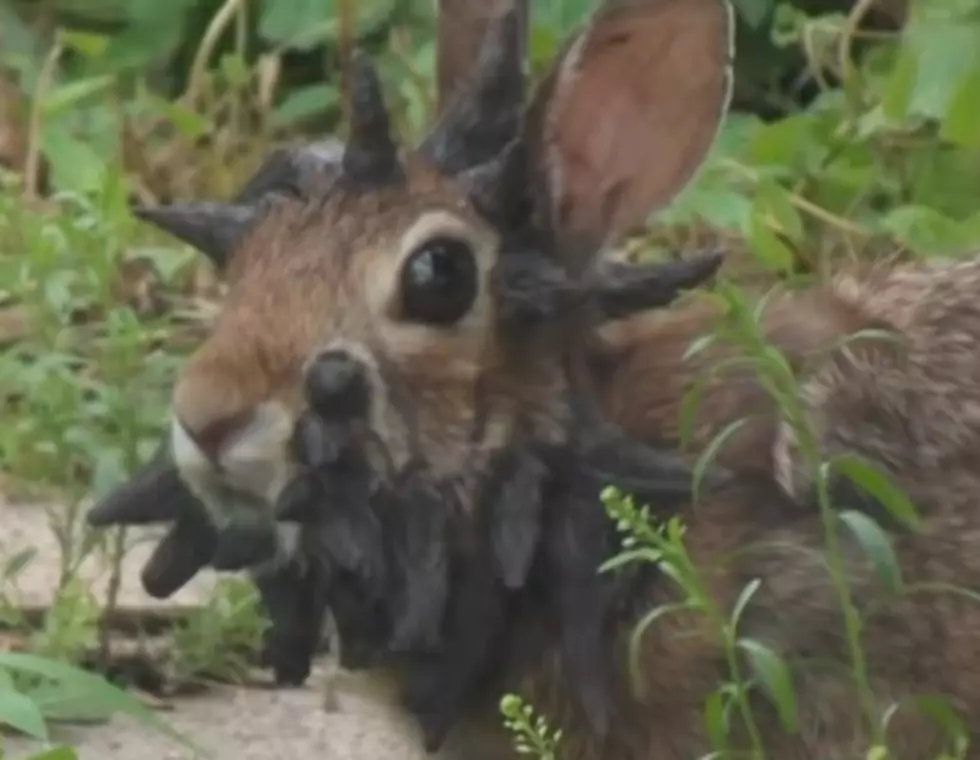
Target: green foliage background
<point>888,147</point>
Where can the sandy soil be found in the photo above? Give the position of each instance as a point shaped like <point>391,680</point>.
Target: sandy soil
<point>228,723</point>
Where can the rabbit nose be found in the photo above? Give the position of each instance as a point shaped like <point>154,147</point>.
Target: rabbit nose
<point>336,386</point>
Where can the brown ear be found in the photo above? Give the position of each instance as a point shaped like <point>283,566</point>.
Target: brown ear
<point>460,28</point>
<point>629,111</point>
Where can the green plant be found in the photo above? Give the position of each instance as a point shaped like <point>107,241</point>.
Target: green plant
<point>532,736</point>
<point>86,385</point>
<point>58,689</point>
<point>886,153</point>
<point>663,546</point>
<point>71,625</point>
<point>221,640</point>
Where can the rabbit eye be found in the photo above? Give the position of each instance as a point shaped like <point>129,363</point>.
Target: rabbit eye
<point>439,282</point>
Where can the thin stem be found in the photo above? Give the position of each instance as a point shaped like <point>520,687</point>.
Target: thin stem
<point>803,204</point>
<point>32,162</point>
<point>209,41</point>
<point>838,575</point>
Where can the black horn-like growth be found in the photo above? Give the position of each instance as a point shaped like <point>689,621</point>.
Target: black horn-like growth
<point>371,157</point>
<point>486,115</point>
<point>186,549</point>
<point>155,493</point>
<point>212,228</point>
<point>624,289</point>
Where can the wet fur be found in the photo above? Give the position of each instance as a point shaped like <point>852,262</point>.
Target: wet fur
<point>913,643</point>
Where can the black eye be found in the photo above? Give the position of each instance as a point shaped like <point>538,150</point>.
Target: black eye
<point>439,282</point>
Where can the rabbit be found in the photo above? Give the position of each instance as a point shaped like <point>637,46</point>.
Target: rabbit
<point>415,375</point>
<point>300,173</point>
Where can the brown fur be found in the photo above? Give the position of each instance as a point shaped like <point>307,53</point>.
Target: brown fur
<point>918,644</point>
<point>913,644</point>
<point>911,408</point>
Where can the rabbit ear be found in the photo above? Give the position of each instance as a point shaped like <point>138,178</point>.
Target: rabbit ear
<point>461,28</point>
<point>629,112</point>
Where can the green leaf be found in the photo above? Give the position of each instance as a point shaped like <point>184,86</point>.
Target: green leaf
<point>709,199</point>
<point>704,461</point>
<point>688,412</point>
<point>189,123</point>
<point>769,250</point>
<point>947,51</point>
<point>927,231</point>
<point>714,721</point>
<point>64,702</point>
<point>898,88</point>
<point>876,546</point>
<point>22,713</point>
<point>772,671</point>
<point>102,694</point>
<point>644,554</point>
<point>775,202</point>
<point>68,95</point>
<point>75,166</point>
<point>944,714</point>
<point>88,44</point>
<point>743,599</point>
<point>304,102</point>
<point>866,475</point>
<point>753,12</point>
<point>962,122</point>
<point>63,752</point>
<point>16,564</point>
<point>698,345</point>
<point>940,709</point>
<point>153,29</point>
<point>300,23</point>
<point>782,144</point>
<point>235,70</point>
<point>637,636</point>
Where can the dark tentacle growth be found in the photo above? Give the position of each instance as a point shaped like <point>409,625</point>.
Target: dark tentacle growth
<point>215,229</point>
<point>331,498</point>
<point>187,547</point>
<point>154,494</point>
<point>442,686</point>
<point>418,531</point>
<point>514,502</point>
<point>625,289</point>
<point>295,600</point>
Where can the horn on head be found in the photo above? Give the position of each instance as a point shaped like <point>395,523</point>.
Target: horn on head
<point>486,111</point>
<point>213,228</point>
<point>371,156</point>
<point>622,289</point>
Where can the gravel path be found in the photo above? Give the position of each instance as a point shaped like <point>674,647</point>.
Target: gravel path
<point>228,723</point>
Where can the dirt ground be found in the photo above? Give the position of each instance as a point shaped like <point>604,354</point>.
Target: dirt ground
<point>228,723</point>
